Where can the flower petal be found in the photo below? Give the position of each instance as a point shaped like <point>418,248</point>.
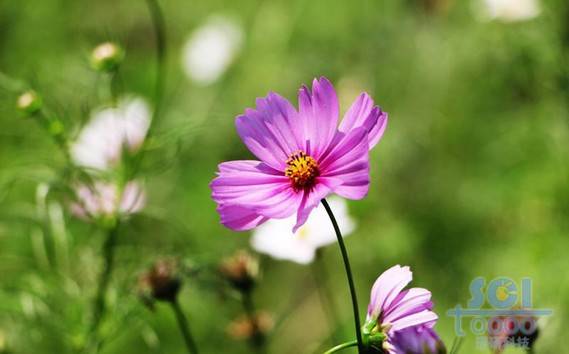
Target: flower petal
<point>408,302</point>
<point>133,198</point>
<point>256,187</point>
<point>386,288</point>
<point>423,317</point>
<point>275,239</point>
<point>238,218</point>
<point>319,115</point>
<point>417,339</point>
<point>271,132</point>
<point>348,160</point>
<point>363,113</point>
<point>311,198</point>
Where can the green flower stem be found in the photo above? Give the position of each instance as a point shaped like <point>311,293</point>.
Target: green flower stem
<point>337,348</point>
<point>349,275</point>
<point>99,305</point>
<point>258,339</point>
<point>160,34</point>
<point>48,123</point>
<point>184,327</point>
<point>114,87</point>
<point>159,26</point>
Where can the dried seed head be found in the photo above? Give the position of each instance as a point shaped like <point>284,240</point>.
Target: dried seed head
<point>246,328</point>
<point>241,270</point>
<point>161,282</point>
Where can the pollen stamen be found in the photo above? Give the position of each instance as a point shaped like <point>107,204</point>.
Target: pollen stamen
<point>302,170</point>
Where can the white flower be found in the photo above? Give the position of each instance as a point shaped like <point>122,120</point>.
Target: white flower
<point>275,238</point>
<point>102,200</point>
<point>101,142</point>
<point>511,10</point>
<point>211,49</point>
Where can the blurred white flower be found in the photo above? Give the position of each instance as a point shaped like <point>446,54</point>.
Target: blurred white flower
<point>102,200</point>
<point>511,10</point>
<point>210,49</point>
<point>275,238</point>
<point>101,142</point>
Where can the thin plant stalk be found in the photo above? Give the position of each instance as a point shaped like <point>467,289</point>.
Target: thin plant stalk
<point>45,120</point>
<point>99,305</point>
<point>159,26</point>
<point>257,340</point>
<point>184,327</point>
<point>342,346</point>
<point>160,33</point>
<point>349,275</point>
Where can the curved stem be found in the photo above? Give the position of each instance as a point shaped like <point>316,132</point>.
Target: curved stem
<point>99,303</point>
<point>349,275</point>
<point>45,120</point>
<point>184,327</point>
<point>160,34</point>
<point>337,348</point>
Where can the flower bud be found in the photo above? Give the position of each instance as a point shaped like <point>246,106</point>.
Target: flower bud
<point>56,128</point>
<point>106,57</point>
<point>29,103</point>
<point>374,334</point>
<point>247,328</point>
<point>241,270</point>
<point>161,282</point>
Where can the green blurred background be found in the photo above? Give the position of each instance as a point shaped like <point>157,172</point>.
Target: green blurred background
<point>470,179</point>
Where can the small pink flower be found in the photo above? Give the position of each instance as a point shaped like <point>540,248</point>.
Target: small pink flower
<point>110,132</point>
<point>399,320</point>
<point>304,156</point>
<point>101,200</point>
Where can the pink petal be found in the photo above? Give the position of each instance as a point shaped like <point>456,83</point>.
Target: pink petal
<point>255,187</point>
<point>348,160</point>
<point>311,198</point>
<point>363,113</point>
<point>386,288</point>
<point>271,131</point>
<point>319,115</point>
<point>423,317</point>
<point>238,218</point>
<point>408,302</point>
<point>133,198</point>
<point>376,132</point>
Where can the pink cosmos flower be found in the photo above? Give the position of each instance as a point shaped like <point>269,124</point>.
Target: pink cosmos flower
<point>417,340</point>
<point>102,200</point>
<point>399,320</point>
<point>303,157</point>
<point>110,132</point>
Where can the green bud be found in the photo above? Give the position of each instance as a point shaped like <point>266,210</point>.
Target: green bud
<point>29,103</point>
<point>56,128</point>
<point>106,57</point>
<point>373,335</point>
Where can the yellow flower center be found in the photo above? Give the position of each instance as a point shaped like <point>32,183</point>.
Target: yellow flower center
<point>302,170</point>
